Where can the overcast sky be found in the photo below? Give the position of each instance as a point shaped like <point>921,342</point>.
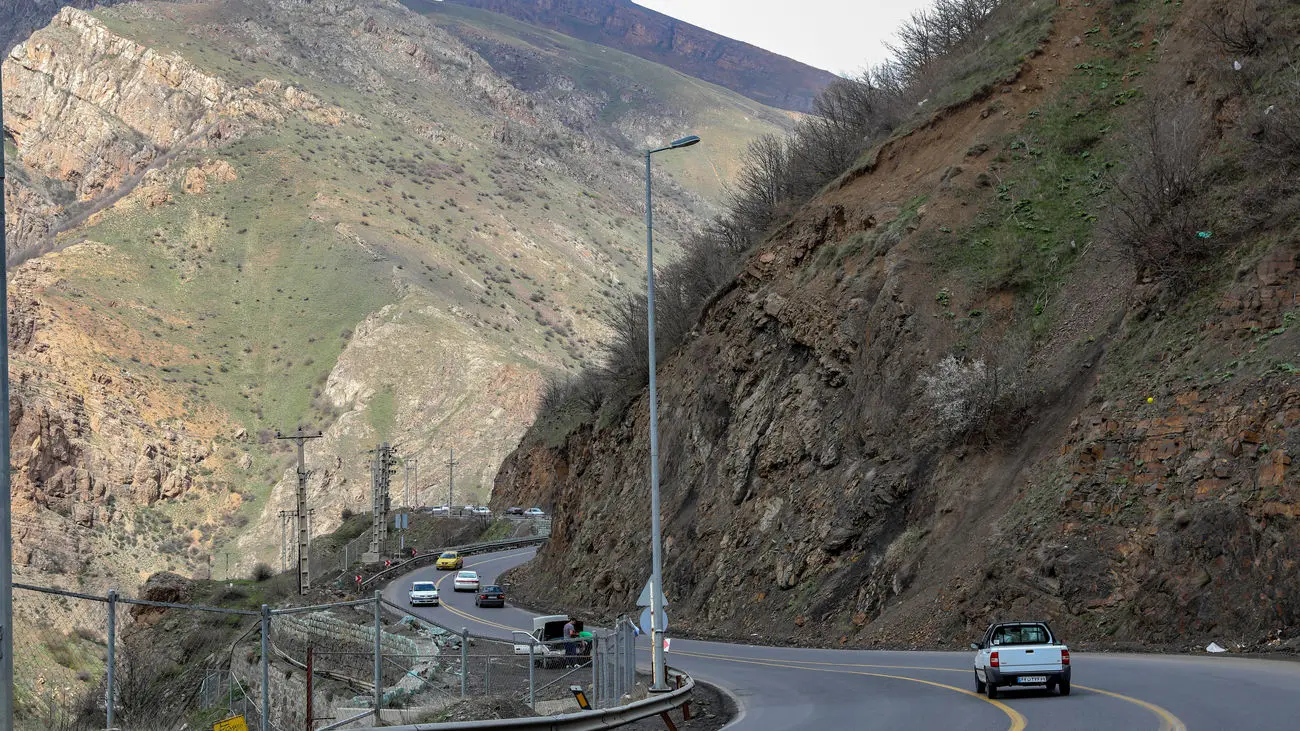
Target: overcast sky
<point>843,36</point>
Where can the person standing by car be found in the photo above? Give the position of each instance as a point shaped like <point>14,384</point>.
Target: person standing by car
<point>570,641</point>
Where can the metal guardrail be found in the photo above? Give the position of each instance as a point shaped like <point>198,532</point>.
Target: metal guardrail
<point>468,550</point>
<point>581,721</point>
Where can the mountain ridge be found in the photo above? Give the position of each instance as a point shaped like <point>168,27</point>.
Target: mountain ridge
<point>759,74</point>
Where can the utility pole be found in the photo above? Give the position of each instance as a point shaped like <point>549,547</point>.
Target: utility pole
<point>304,576</point>
<point>380,473</point>
<point>6,529</point>
<point>451,473</point>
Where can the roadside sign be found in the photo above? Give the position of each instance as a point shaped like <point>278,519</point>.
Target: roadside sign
<point>644,599</point>
<point>645,620</point>
<point>401,521</point>
<point>667,641</point>
<point>236,723</point>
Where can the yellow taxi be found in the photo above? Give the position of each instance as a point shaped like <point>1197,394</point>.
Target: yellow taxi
<point>449,560</point>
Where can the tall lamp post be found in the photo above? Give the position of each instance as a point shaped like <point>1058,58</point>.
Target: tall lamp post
<point>660,683</point>
<point>6,535</point>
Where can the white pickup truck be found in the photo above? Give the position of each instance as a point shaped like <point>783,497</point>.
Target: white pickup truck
<point>1021,654</point>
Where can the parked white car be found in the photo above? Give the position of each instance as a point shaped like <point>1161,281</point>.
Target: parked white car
<point>423,592</point>
<point>481,510</point>
<point>534,513</point>
<point>547,643</point>
<point>1019,654</point>
<point>465,581</point>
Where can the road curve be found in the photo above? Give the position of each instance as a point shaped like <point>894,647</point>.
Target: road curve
<point>794,688</point>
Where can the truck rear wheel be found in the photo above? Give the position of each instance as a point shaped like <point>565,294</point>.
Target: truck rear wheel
<point>1064,686</point>
<point>991,690</point>
<point>979,684</point>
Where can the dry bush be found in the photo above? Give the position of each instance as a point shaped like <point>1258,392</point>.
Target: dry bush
<point>1239,28</point>
<point>262,572</point>
<point>986,397</point>
<point>1157,201</point>
<point>1279,136</point>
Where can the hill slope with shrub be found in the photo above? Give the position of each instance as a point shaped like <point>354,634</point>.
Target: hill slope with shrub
<point>1028,351</point>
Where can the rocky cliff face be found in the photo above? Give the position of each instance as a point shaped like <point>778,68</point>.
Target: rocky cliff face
<point>18,18</point>
<point>1142,493</point>
<point>753,72</point>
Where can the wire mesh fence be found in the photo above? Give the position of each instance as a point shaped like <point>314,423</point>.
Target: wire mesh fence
<point>87,661</point>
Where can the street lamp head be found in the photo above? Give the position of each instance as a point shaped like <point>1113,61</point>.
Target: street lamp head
<point>684,142</point>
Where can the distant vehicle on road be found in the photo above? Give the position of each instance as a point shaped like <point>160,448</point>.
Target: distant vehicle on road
<point>423,592</point>
<point>449,561</point>
<point>548,642</point>
<point>439,510</point>
<point>1020,654</point>
<point>465,581</point>
<point>491,596</point>
<point>480,510</point>
<point>534,513</point>
<point>513,510</point>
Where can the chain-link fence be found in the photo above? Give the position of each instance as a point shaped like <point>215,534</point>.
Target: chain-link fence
<point>95,662</point>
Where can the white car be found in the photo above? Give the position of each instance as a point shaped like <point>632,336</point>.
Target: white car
<point>1018,654</point>
<point>534,513</point>
<point>465,581</point>
<point>481,510</point>
<point>423,592</point>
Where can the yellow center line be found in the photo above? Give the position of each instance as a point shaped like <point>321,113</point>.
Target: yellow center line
<point>1017,721</point>
<point>1168,721</point>
<point>468,616</point>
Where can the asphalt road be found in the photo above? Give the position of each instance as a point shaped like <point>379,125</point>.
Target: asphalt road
<point>791,688</point>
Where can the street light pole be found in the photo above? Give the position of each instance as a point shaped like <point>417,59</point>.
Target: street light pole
<point>6,532</point>
<point>657,660</point>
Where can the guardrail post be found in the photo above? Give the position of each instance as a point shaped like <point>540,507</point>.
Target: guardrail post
<point>110,694</point>
<point>266,668</point>
<point>379,658</point>
<point>464,660</point>
<point>532,688</point>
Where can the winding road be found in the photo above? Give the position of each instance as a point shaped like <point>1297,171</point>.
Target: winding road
<point>794,688</point>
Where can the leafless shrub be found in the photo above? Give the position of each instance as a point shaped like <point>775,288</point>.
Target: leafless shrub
<point>1237,27</point>
<point>1279,136</point>
<point>1156,201</point>
<point>262,572</point>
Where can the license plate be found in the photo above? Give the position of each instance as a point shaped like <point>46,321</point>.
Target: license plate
<point>1030,679</point>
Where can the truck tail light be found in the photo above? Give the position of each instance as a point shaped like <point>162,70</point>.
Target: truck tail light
<point>1065,657</point>
<point>993,660</point>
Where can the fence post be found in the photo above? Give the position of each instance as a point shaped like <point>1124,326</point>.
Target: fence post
<point>379,658</point>
<point>110,694</point>
<point>596,695</point>
<point>266,667</point>
<point>464,660</point>
<point>532,688</point>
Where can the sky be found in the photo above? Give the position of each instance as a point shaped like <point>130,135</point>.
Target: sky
<point>842,36</point>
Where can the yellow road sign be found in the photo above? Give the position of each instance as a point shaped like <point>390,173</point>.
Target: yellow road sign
<point>236,723</point>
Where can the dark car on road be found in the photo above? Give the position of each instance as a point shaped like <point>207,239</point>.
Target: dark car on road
<point>491,596</point>
<point>514,511</point>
